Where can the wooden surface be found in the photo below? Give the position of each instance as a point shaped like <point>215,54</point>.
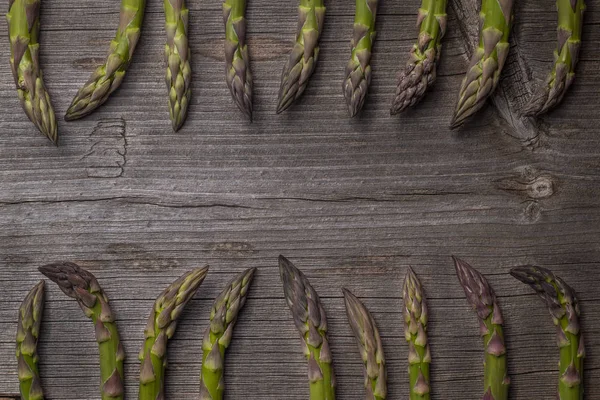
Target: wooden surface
<point>351,202</point>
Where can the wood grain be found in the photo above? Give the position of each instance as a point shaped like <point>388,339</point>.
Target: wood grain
<point>350,202</point>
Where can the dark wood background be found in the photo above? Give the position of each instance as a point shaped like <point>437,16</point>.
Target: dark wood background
<point>351,202</point>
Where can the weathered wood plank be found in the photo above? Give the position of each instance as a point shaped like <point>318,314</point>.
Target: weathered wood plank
<point>351,202</point>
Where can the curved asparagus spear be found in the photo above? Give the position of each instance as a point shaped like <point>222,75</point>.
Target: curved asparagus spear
<point>219,332</point>
<point>177,56</point>
<point>570,23</point>
<point>82,286</point>
<point>303,58</point>
<point>488,60</point>
<point>358,70</point>
<point>108,76</point>
<point>237,60</point>
<point>482,298</point>
<point>563,306</point>
<point>28,332</point>
<point>420,71</point>
<point>311,321</point>
<point>415,332</point>
<point>369,346</point>
<point>160,328</point>
<point>24,29</point>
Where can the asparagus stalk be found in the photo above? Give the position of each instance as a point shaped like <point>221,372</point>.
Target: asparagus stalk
<point>311,321</point>
<point>219,333</point>
<point>108,76</point>
<point>358,70</point>
<point>177,56</point>
<point>369,346</point>
<point>570,23</point>
<point>488,60</point>
<point>415,332</point>
<point>28,332</point>
<point>160,328</point>
<point>237,60</point>
<point>82,286</point>
<point>564,307</point>
<point>303,58</point>
<point>482,298</point>
<point>419,74</point>
<point>24,29</point>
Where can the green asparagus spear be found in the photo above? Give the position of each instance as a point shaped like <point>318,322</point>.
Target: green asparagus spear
<point>311,321</point>
<point>563,306</point>
<point>160,328</point>
<point>24,29</point>
<point>488,60</point>
<point>482,298</point>
<point>108,76</point>
<point>219,332</point>
<point>369,346</point>
<point>570,23</point>
<point>415,332</point>
<point>177,56</point>
<point>420,71</point>
<point>358,70</point>
<point>303,58</point>
<point>28,332</point>
<point>82,286</point>
<point>237,60</point>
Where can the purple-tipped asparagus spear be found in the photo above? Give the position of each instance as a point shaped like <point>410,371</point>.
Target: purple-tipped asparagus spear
<point>482,298</point>
<point>564,308</point>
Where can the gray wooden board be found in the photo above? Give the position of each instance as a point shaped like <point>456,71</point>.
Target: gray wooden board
<point>351,202</point>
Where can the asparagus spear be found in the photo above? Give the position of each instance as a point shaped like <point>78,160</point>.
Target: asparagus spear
<point>311,321</point>
<point>488,60</point>
<point>28,332</point>
<point>358,70</point>
<point>160,328</point>
<point>177,56</point>
<point>108,76</point>
<point>563,306</point>
<point>570,23</point>
<point>369,346</point>
<point>303,58</point>
<point>82,286</point>
<point>420,71</point>
<point>482,298</point>
<point>219,332</point>
<point>415,332</point>
<point>237,61</point>
<point>24,29</point>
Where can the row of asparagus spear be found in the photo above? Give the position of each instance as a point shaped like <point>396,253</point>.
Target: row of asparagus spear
<point>413,80</point>
<point>311,321</point>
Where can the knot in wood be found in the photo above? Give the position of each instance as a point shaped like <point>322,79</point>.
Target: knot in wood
<point>540,188</point>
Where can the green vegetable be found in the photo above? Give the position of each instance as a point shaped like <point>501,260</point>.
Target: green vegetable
<point>303,58</point>
<point>311,321</point>
<point>160,328</point>
<point>82,286</point>
<point>488,60</point>
<point>570,23</point>
<point>358,70</point>
<point>108,76</point>
<point>237,60</point>
<point>24,29</point>
<point>219,333</point>
<point>563,306</point>
<point>419,74</point>
<point>177,56</point>
<point>28,333</point>
<point>369,346</point>
<point>482,298</point>
<point>415,332</point>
